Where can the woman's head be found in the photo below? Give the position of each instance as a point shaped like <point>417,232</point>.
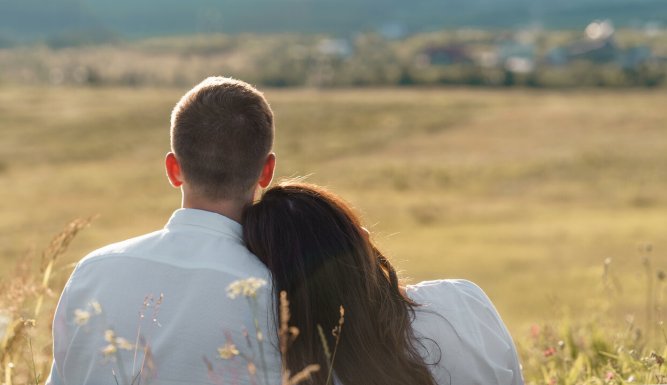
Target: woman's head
<point>319,253</point>
<point>306,236</point>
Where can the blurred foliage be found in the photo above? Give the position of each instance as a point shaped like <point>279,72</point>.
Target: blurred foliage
<point>98,57</point>
<point>597,346</point>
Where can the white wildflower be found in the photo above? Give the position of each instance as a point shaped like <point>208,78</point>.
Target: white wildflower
<point>124,344</point>
<point>81,317</point>
<point>245,287</point>
<point>97,308</point>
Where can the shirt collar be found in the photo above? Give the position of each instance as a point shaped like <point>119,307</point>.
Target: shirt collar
<point>208,220</point>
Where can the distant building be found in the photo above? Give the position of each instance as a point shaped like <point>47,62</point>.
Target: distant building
<point>487,58</point>
<point>597,46</point>
<point>334,47</point>
<point>599,30</point>
<point>598,51</point>
<point>517,57</point>
<point>445,55</point>
<point>635,57</point>
<point>557,56</point>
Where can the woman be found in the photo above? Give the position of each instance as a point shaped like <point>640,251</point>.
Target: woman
<point>438,332</point>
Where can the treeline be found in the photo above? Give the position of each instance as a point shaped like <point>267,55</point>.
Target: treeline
<point>531,58</point>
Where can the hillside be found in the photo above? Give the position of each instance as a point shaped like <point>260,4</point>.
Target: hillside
<point>28,20</point>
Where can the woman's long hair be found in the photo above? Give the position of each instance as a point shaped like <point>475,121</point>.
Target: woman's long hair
<point>319,253</point>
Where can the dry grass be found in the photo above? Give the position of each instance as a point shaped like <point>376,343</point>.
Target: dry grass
<point>25,339</point>
<point>589,348</point>
<point>524,192</point>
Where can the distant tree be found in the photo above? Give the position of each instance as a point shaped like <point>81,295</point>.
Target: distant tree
<point>509,79</point>
<point>406,78</point>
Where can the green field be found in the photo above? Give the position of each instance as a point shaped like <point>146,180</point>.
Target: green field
<point>524,192</point>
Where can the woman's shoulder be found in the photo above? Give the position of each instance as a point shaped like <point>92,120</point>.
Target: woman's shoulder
<point>446,294</point>
<point>461,303</point>
<point>444,286</point>
<point>460,329</point>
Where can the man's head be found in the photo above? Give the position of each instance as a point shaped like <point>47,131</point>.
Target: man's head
<point>221,138</point>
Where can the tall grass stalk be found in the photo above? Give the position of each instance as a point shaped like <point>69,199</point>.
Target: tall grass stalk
<point>25,293</point>
<point>286,335</point>
<point>591,348</point>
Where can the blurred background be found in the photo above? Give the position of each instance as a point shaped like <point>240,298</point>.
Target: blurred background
<point>519,144</point>
<point>333,43</point>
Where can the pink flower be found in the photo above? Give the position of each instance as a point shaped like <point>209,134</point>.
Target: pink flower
<point>535,331</point>
<point>550,351</point>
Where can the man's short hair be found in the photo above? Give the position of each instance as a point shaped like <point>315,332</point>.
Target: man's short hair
<point>221,134</point>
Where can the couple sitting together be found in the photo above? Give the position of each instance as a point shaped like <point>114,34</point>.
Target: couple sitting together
<point>198,302</point>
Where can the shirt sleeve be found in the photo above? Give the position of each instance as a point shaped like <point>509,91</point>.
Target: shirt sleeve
<point>496,327</point>
<point>462,336</point>
<point>61,337</point>
<point>54,377</point>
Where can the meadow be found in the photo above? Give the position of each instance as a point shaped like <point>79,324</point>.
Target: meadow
<point>546,199</point>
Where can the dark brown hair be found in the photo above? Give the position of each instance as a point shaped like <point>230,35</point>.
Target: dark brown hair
<point>318,252</point>
<point>221,134</point>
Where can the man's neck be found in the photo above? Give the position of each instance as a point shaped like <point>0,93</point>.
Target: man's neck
<point>229,208</point>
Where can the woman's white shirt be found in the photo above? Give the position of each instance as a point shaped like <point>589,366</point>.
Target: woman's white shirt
<point>462,336</point>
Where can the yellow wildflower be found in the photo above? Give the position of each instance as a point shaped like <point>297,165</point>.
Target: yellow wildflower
<point>97,308</point>
<point>109,335</point>
<point>246,287</point>
<point>109,350</point>
<point>228,351</point>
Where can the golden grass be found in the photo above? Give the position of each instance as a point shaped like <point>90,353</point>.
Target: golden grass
<point>524,192</point>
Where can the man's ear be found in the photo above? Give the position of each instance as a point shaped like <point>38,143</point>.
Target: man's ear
<point>267,171</point>
<point>173,170</point>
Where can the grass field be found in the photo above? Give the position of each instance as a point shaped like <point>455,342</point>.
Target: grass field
<point>524,192</point>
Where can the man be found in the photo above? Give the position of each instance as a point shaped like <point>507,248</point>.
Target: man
<point>175,306</point>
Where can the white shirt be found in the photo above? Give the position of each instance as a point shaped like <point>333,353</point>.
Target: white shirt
<point>473,344</point>
<point>190,262</point>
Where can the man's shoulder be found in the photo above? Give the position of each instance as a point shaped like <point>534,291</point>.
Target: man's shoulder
<point>190,248</point>
<point>126,247</point>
